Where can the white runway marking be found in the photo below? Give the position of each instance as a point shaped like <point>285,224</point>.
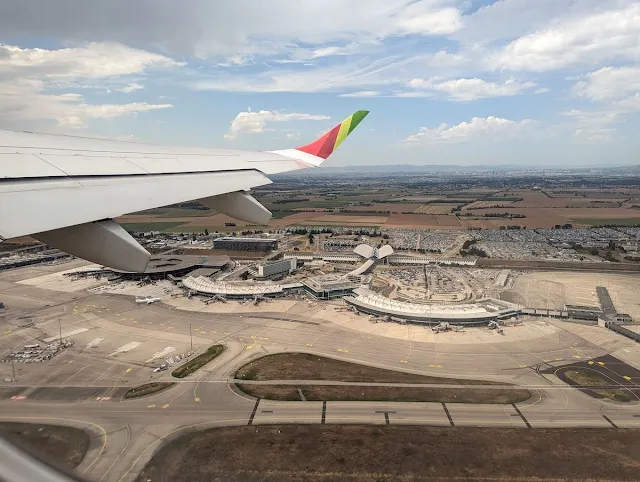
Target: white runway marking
<point>94,343</point>
<point>66,334</point>
<point>162,354</point>
<point>126,348</point>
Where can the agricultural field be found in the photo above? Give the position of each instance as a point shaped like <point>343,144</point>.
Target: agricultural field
<point>425,221</point>
<point>406,204</point>
<point>350,220</point>
<point>149,226</point>
<point>486,204</point>
<point>435,209</point>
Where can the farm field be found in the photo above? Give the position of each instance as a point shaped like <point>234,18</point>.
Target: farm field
<point>487,204</point>
<point>408,208</point>
<point>425,221</point>
<point>390,207</point>
<point>350,219</point>
<point>435,209</point>
<point>149,226</point>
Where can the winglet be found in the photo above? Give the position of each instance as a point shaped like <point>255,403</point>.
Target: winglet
<point>314,154</point>
<point>329,142</point>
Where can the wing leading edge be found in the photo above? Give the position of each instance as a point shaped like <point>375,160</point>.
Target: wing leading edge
<point>65,190</point>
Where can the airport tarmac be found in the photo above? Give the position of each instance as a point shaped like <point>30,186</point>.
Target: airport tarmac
<point>554,289</point>
<point>117,342</point>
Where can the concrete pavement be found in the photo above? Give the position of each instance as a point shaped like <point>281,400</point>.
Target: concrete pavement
<point>125,434</point>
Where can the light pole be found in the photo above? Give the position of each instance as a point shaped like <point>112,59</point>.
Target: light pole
<point>191,336</point>
<point>13,367</point>
<point>60,326</point>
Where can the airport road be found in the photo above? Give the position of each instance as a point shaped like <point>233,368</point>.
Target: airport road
<point>127,433</point>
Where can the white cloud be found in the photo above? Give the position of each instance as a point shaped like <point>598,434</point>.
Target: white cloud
<point>25,101</point>
<point>131,87</point>
<point>237,59</point>
<point>442,58</point>
<point>615,93</point>
<point>255,122</point>
<point>367,72</point>
<point>422,18</point>
<point>489,128</point>
<point>509,19</point>
<point>242,27</point>
<point>332,50</point>
<point>593,126</point>
<point>583,41</point>
<point>93,61</point>
<point>609,83</point>
<point>362,93</point>
<point>108,111</point>
<point>410,94</point>
<point>36,84</point>
<point>472,89</point>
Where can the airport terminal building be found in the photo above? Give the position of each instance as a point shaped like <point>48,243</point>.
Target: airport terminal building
<point>481,312</point>
<point>231,243</point>
<point>238,290</point>
<point>328,287</point>
<point>175,267</point>
<point>266,270</point>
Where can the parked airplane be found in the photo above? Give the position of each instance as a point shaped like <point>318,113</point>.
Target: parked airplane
<point>66,190</point>
<point>148,300</point>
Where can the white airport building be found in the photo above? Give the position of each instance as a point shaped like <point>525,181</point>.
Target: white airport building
<point>273,269</point>
<point>244,289</point>
<point>480,312</point>
<point>392,259</point>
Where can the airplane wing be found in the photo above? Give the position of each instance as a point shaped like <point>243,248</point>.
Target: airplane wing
<point>66,190</point>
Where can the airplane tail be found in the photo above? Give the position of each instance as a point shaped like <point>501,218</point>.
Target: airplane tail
<point>315,153</point>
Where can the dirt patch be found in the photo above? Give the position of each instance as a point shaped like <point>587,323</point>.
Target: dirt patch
<point>147,389</point>
<point>304,366</point>
<point>389,453</point>
<point>65,446</point>
<point>343,393</point>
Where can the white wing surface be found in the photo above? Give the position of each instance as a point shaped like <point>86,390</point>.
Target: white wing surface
<point>65,190</point>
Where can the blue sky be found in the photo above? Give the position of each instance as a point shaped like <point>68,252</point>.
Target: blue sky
<point>544,82</point>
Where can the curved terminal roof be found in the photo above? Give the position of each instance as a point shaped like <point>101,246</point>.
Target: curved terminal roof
<point>364,250</point>
<point>208,286</point>
<point>369,252</point>
<point>484,309</point>
<point>385,251</point>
